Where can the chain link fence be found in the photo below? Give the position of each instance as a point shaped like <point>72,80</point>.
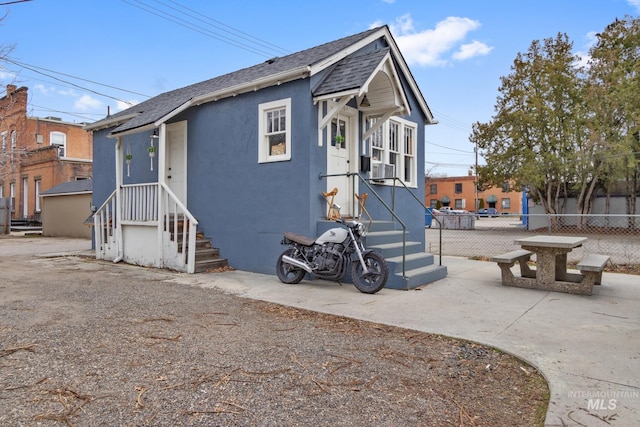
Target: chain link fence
<point>480,237</point>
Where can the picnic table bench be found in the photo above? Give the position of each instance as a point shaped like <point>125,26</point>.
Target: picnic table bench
<point>551,266</point>
<point>591,268</point>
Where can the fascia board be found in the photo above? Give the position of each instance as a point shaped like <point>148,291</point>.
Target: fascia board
<point>407,72</point>
<point>66,194</point>
<point>254,85</point>
<point>107,123</point>
<point>139,129</point>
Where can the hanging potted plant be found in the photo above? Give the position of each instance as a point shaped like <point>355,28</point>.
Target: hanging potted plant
<point>127,157</point>
<point>152,153</point>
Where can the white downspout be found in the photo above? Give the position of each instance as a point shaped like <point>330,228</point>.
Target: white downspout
<point>162,170</point>
<point>117,214</point>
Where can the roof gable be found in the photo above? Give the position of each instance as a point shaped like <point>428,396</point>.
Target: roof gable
<point>155,111</point>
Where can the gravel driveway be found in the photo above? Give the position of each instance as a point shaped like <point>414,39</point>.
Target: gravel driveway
<point>86,342</point>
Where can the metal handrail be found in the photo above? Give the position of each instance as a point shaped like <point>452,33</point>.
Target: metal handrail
<point>425,208</point>
<point>393,214</point>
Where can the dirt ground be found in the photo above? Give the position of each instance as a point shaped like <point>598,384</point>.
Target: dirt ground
<point>86,342</point>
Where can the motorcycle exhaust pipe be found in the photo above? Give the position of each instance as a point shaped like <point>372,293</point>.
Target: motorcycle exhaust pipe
<point>297,263</point>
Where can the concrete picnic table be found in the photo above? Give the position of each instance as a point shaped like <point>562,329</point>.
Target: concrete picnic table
<point>551,258</point>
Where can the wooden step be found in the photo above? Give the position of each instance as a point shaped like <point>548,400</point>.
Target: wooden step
<point>203,266</point>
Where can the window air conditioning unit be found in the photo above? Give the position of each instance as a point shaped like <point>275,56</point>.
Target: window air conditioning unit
<point>381,171</point>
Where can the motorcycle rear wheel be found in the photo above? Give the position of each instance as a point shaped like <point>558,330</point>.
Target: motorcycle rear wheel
<point>287,273</point>
<point>377,276</point>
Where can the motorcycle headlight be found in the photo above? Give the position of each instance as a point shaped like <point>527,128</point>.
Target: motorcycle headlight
<point>362,230</point>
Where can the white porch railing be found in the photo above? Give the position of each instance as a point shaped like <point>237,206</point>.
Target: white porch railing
<point>179,228</point>
<point>140,203</point>
<point>105,223</point>
<point>149,204</point>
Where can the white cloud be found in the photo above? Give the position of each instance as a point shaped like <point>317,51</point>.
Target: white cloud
<point>122,105</point>
<point>583,55</point>
<point>470,50</point>
<point>87,103</point>
<point>7,75</point>
<point>432,47</point>
<point>44,89</point>
<point>635,3</point>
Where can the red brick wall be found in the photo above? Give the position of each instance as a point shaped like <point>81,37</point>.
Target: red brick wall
<point>507,202</point>
<point>34,158</point>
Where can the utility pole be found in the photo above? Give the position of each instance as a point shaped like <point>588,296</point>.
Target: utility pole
<point>476,172</point>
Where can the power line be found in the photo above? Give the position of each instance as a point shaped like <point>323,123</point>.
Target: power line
<point>452,165</point>
<point>172,18</point>
<point>218,24</point>
<point>449,148</point>
<point>79,115</point>
<point>13,2</point>
<point>258,48</point>
<point>67,82</point>
<point>35,67</point>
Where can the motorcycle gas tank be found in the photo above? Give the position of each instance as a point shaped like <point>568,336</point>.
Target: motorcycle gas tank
<point>335,235</point>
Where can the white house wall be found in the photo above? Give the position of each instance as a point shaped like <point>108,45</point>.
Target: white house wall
<point>140,243</point>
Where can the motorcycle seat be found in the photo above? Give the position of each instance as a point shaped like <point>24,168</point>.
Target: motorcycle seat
<point>303,240</point>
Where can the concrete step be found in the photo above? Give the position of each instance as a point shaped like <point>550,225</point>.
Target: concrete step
<point>412,261</point>
<point>417,277</point>
<point>383,237</point>
<point>390,250</point>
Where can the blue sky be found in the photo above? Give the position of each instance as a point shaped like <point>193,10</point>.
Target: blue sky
<point>80,57</point>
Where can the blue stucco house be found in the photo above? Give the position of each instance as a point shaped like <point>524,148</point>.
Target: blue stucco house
<point>243,157</point>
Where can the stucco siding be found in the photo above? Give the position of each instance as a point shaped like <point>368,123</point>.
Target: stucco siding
<point>242,205</point>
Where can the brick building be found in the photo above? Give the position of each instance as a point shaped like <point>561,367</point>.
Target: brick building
<point>458,192</point>
<point>37,154</point>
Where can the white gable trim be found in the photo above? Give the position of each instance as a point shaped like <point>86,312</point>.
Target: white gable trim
<point>382,32</point>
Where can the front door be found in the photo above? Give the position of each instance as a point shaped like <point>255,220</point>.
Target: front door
<point>341,153</point>
<point>176,161</point>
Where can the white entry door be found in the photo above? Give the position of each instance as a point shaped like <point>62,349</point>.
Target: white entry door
<point>176,161</point>
<point>341,154</point>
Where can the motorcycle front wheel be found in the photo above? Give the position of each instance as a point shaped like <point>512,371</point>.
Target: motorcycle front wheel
<point>287,273</point>
<point>375,279</point>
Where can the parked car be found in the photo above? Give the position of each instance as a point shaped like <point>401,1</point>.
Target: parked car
<point>488,212</point>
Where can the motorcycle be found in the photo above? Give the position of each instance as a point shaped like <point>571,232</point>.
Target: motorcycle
<point>330,256</point>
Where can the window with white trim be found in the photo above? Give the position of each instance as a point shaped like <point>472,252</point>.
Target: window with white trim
<point>274,131</point>
<point>377,143</point>
<point>12,195</point>
<point>25,197</point>
<point>38,182</point>
<point>60,140</point>
<point>394,143</point>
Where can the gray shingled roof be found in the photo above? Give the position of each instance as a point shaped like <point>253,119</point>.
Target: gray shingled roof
<point>79,186</point>
<point>159,106</point>
<point>351,73</point>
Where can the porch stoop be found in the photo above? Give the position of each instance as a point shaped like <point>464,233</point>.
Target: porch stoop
<point>420,267</point>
